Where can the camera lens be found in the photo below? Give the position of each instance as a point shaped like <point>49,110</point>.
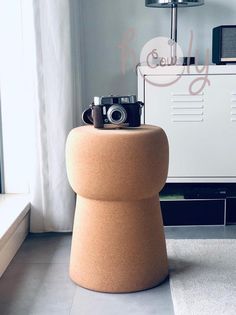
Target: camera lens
<point>116,114</point>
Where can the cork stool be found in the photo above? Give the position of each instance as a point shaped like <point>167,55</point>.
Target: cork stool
<point>118,242</point>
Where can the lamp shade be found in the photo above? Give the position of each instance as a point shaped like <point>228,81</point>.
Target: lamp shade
<point>171,3</point>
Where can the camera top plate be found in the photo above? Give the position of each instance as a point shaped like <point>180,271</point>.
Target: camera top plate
<point>112,99</point>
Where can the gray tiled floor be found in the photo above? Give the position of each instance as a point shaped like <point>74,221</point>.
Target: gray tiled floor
<point>37,281</point>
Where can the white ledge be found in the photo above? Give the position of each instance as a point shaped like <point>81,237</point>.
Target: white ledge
<point>14,226</point>
<point>13,208</point>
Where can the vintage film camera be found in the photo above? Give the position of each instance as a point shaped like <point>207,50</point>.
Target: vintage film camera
<point>117,111</point>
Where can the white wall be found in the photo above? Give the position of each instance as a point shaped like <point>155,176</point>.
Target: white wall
<point>106,21</point>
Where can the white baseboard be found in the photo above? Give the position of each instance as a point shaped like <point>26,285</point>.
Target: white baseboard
<point>14,226</point>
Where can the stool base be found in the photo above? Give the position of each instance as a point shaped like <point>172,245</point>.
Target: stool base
<point>118,246</point>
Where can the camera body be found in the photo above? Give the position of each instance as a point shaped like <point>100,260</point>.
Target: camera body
<point>121,111</point>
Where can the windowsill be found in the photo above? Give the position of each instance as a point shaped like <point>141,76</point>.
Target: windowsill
<point>13,209</point>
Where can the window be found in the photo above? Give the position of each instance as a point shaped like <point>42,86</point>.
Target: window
<point>14,103</point>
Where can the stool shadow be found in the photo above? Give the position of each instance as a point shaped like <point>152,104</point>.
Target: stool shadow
<point>179,266</point>
<point>152,301</point>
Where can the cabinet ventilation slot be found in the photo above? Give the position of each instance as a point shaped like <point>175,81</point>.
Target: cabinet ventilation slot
<point>233,108</point>
<point>187,98</point>
<point>188,116</point>
<point>233,113</point>
<point>188,107</point>
<point>188,119</point>
<point>200,100</point>
<point>187,94</point>
<point>187,112</point>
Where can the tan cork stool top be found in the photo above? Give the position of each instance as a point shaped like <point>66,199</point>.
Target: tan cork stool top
<point>118,241</point>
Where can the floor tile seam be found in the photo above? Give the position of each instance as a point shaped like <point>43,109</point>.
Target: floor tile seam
<point>73,301</point>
